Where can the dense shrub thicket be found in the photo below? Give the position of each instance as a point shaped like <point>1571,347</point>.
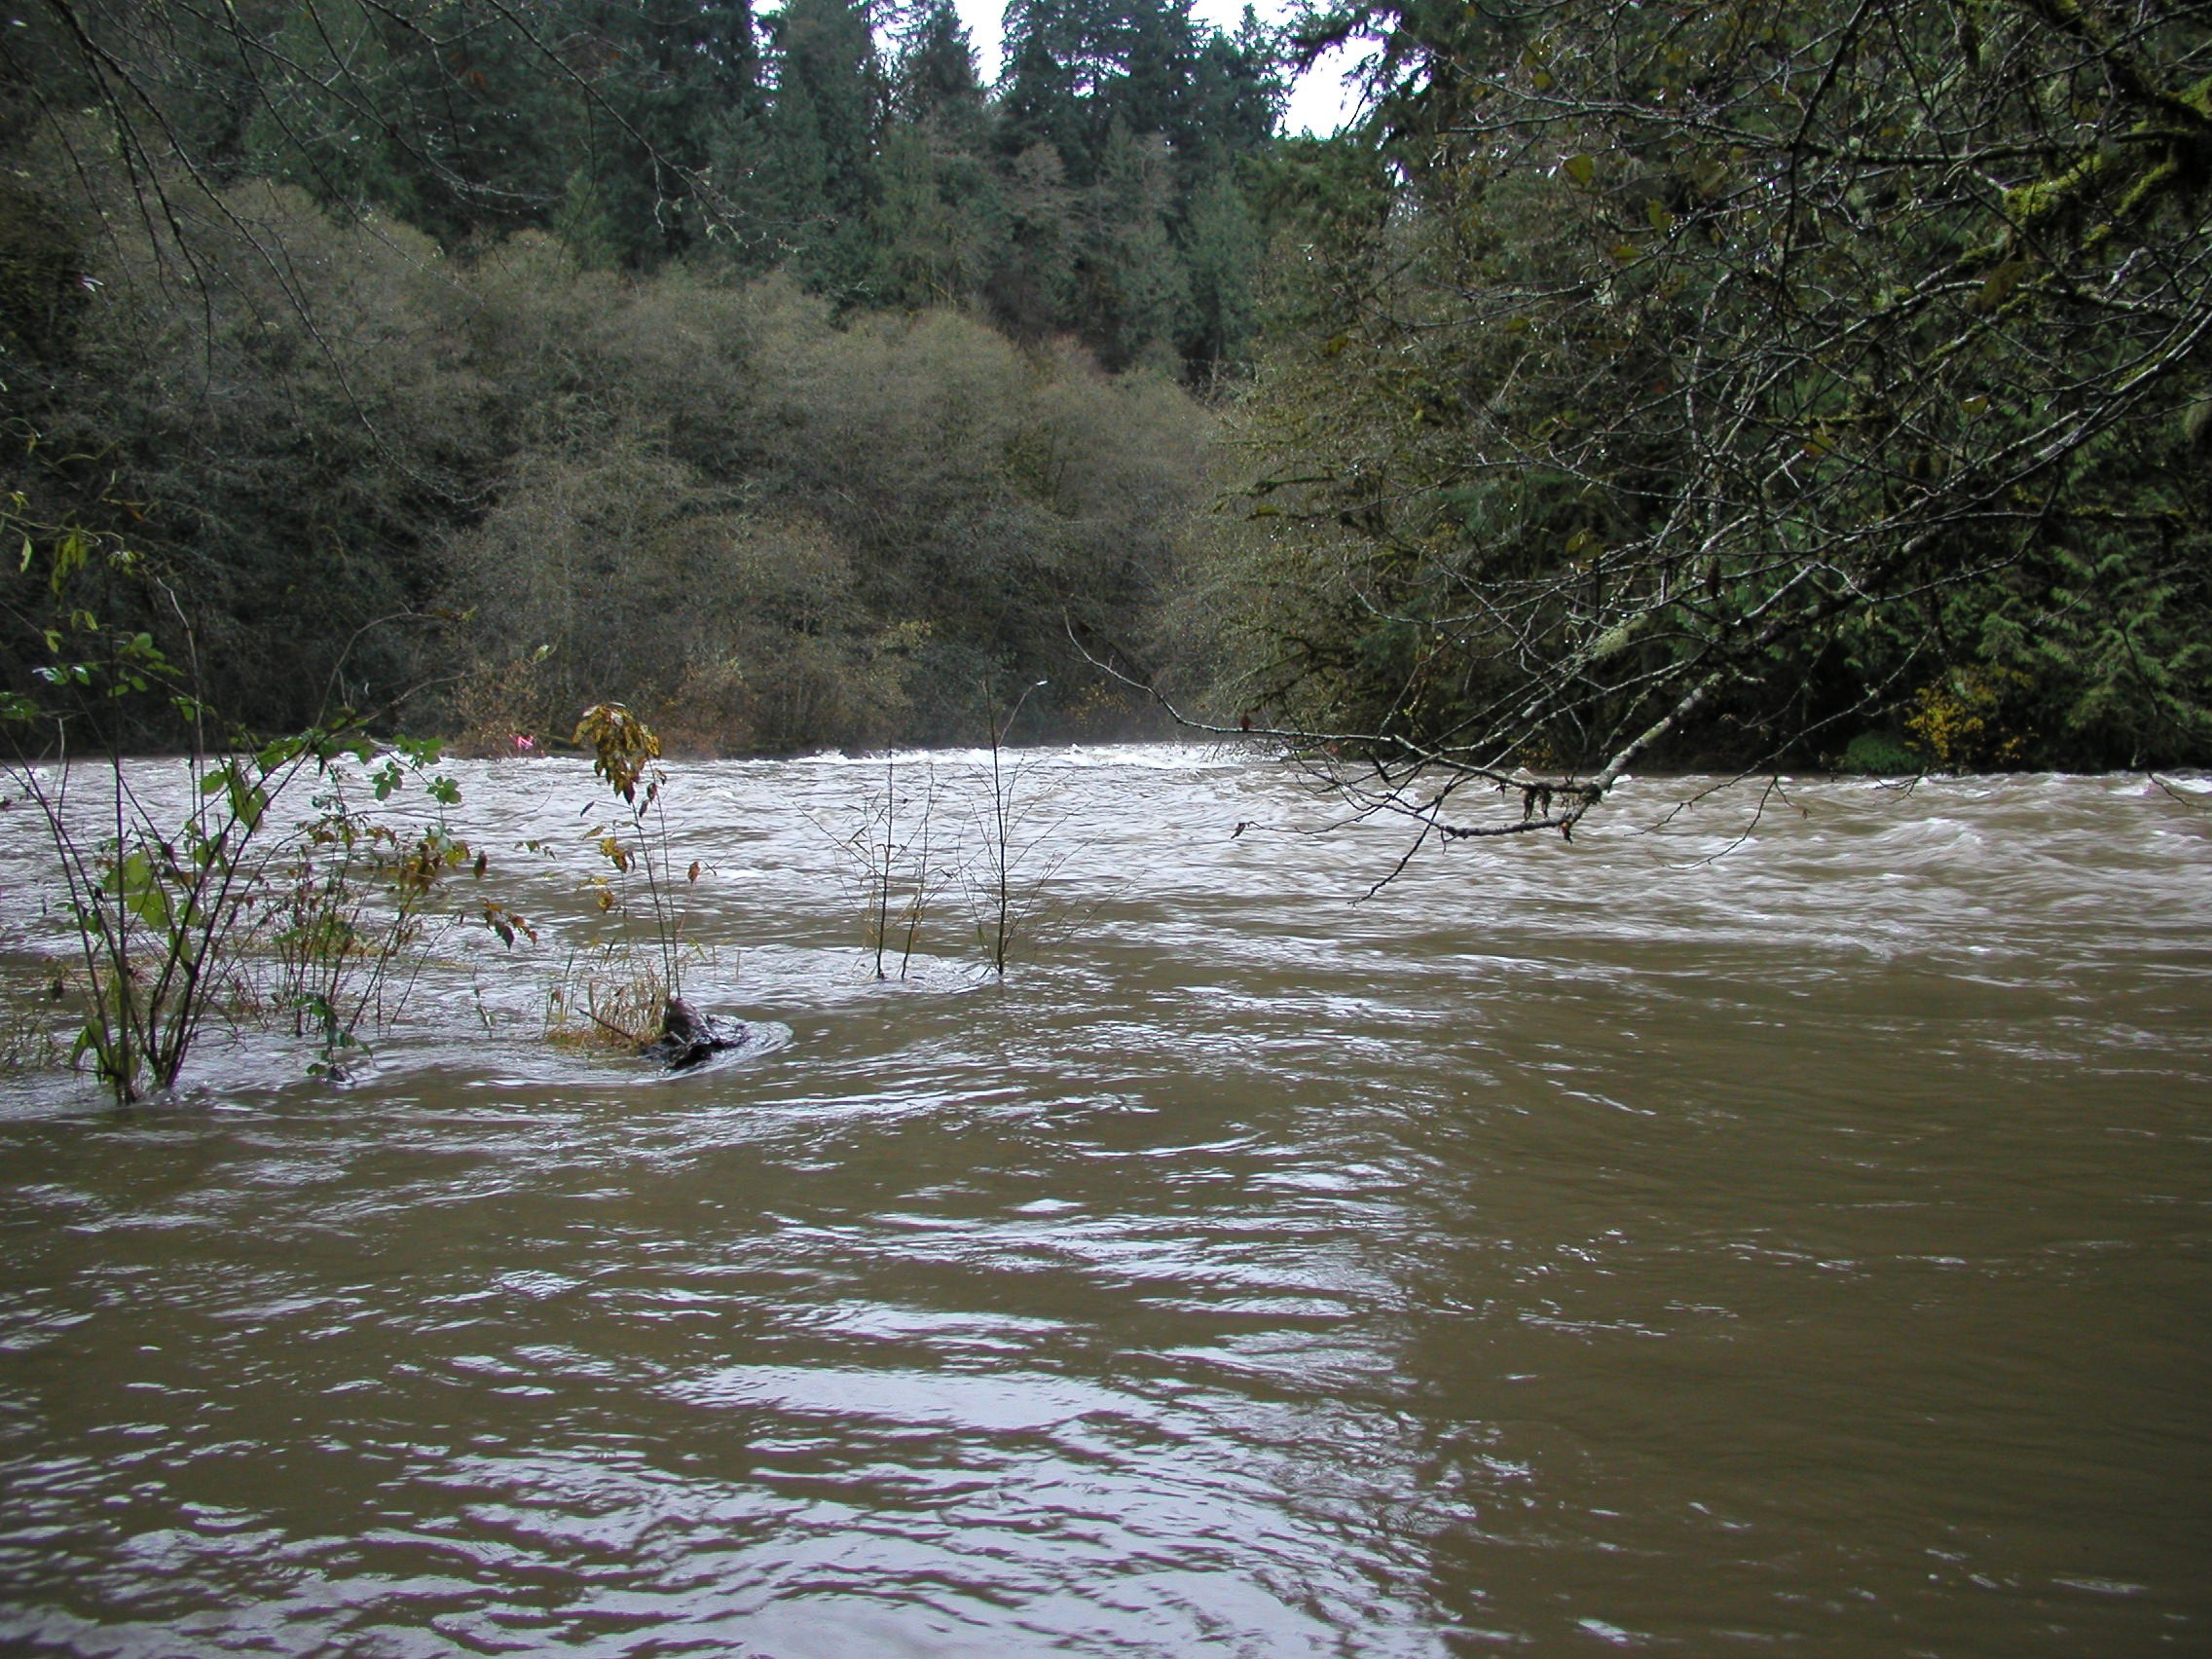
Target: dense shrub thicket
<point>769,374</point>
<point>529,484</point>
<point>1745,383</point>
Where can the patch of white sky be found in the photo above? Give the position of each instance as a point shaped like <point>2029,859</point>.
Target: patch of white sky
<point>1320,100</point>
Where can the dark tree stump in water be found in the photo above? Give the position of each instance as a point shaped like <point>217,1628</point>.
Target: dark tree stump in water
<point>687,1037</point>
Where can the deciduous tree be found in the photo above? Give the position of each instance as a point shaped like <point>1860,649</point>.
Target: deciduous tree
<point>1720,382</point>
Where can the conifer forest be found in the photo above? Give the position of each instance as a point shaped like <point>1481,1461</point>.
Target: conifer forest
<point>1746,386</point>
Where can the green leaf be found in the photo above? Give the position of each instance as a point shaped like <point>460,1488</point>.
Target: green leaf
<point>276,753</point>
<point>138,884</point>
<point>1581,169</point>
<point>247,802</point>
<point>69,555</point>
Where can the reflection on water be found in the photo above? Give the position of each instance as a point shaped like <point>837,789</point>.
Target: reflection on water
<point>1573,1248</point>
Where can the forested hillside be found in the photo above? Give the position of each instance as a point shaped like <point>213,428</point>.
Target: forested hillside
<point>1750,384</point>
<point>770,374</point>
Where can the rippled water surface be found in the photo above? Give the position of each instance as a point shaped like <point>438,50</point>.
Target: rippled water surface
<point>1573,1247</point>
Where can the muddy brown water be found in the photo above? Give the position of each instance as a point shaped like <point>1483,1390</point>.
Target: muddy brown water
<point>1573,1248</point>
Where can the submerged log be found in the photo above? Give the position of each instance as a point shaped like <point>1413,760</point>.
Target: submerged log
<point>687,1037</point>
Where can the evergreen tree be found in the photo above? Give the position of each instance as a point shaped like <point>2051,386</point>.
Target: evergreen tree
<point>489,118</point>
<point>1146,120</point>
<point>1234,97</point>
<point>937,227</point>
<point>1032,285</point>
<point>1055,62</point>
<point>936,79</point>
<point>936,222</point>
<point>1134,288</point>
<point>1221,252</point>
<point>809,189</point>
<point>1154,52</point>
<point>826,74</point>
<point>676,69</point>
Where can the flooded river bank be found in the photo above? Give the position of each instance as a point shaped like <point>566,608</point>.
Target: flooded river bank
<point>1571,1248</point>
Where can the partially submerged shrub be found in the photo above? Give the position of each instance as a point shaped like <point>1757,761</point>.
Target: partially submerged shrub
<point>1880,754</point>
<point>626,755</point>
<point>616,1000</point>
<point>1962,721</point>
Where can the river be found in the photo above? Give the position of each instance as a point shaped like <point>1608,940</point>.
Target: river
<point>1719,1234</point>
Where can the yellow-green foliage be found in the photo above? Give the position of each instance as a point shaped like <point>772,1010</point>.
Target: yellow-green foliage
<point>1959,723</point>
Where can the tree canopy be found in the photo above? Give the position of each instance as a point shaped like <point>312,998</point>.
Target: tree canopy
<point>1743,384</point>
<point>758,362</point>
<point>805,139</point>
<point>1736,382</point>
